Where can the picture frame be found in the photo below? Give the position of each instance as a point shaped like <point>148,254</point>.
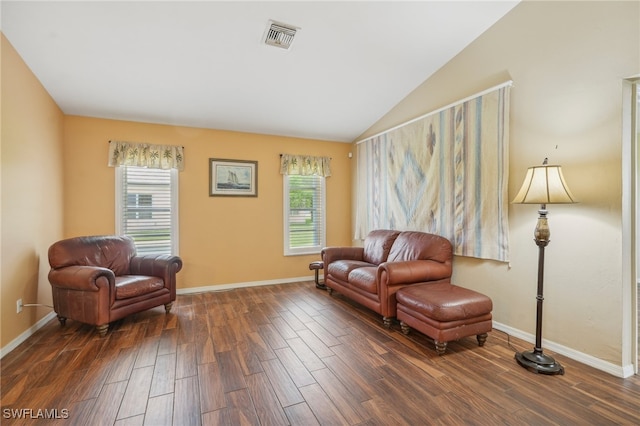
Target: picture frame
<point>233,178</point>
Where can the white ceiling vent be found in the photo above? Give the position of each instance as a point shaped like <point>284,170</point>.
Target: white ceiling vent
<point>280,35</point>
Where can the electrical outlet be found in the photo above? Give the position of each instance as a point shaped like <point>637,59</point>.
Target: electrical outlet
<point>18,306</point>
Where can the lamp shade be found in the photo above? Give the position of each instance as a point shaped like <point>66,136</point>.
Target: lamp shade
<point>544,185</point>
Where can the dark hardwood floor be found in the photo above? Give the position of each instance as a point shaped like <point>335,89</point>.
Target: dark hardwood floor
<point>291,354</point>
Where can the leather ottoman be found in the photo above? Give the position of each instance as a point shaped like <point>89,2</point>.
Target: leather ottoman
<point>444,312</point>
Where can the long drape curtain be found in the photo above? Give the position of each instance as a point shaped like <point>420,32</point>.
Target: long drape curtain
<point>146,155</point>
<point>445,173</point>
<point>305,165</point>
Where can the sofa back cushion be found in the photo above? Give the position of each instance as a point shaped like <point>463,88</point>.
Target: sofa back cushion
<point>377,245</point>
<point>111,252</point>
<point>413,245</point>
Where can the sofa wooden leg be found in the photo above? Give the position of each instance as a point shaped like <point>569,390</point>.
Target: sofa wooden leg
<point>404,327</point>
<point>62,320</point>
<point>167,307</point>
<point>481,339</point>
<point>387,322</point>
<point>330,290</point>
<point>102,329</point>
<point>441,347</point>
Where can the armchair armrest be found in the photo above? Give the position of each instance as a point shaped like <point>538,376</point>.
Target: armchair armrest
<point>80,277</point>
<point>412,271</point>
<point>163,266</point>
<point>155,265</point>
<point>331,254</point>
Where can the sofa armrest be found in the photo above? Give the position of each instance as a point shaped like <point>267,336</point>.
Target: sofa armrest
<point>82,278</point>
<point>412,271</point>
<point>332,254</point>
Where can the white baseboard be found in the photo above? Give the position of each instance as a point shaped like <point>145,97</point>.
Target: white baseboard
<point>615,370</point>
<point>27,333</point>
<point>223,287</point>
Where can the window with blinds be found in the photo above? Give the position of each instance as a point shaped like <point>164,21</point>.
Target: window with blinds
<point>146,208</point>
<point>304,214</point>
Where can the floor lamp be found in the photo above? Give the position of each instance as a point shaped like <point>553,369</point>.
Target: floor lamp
<point>542,185</point>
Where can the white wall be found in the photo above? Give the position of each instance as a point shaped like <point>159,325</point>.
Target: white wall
<point>567,61</point>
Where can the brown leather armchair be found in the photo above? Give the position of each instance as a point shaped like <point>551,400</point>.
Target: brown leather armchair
<point>100,279</point>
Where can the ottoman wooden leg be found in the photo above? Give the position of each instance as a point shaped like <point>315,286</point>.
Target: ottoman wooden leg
<point>404,327</point>
<point>62,320</point>
<point>481,338</point>
<point>441,347</point>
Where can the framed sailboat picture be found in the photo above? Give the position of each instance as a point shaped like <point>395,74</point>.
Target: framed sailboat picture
<point>233,178</point>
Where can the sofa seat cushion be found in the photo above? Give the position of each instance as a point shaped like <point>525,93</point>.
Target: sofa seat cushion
<point>364,278</point>
<point>444,302</point>
<point>128,286</point>
<point>341,269</point>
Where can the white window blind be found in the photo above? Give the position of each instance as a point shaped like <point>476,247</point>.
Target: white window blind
<point>304,214</point>
<point>146,208</point>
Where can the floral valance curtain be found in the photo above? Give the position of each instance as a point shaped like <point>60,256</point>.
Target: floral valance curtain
<point>305,165</point>
<point>146,155</point>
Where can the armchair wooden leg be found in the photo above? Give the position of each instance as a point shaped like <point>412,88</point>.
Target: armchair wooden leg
<point>62,320</point>
<point>102,329</point>
<point>167,307</point>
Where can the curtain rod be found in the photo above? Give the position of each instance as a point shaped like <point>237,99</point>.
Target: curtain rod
<point>303,156</point>
<point>484,92</point>
<point>182,146</point>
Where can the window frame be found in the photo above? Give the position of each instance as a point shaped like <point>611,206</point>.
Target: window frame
<point>174,197</point>
<point>322,210</point>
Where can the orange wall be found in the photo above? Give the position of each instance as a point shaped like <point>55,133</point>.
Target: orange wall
<point>32,193</point>
<point>223,240</point>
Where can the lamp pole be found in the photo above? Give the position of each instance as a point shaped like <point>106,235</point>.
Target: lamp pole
<point>536,360</point>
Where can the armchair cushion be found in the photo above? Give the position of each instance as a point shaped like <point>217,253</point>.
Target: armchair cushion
<point>135,285</point>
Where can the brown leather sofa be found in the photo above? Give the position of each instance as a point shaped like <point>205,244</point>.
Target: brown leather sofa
<point>389,260</point>
<point>100,279</point>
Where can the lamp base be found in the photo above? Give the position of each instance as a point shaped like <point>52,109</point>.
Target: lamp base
<point>539,363</point>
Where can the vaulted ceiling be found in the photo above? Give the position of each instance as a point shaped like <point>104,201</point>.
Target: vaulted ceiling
<point>204,63</point>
